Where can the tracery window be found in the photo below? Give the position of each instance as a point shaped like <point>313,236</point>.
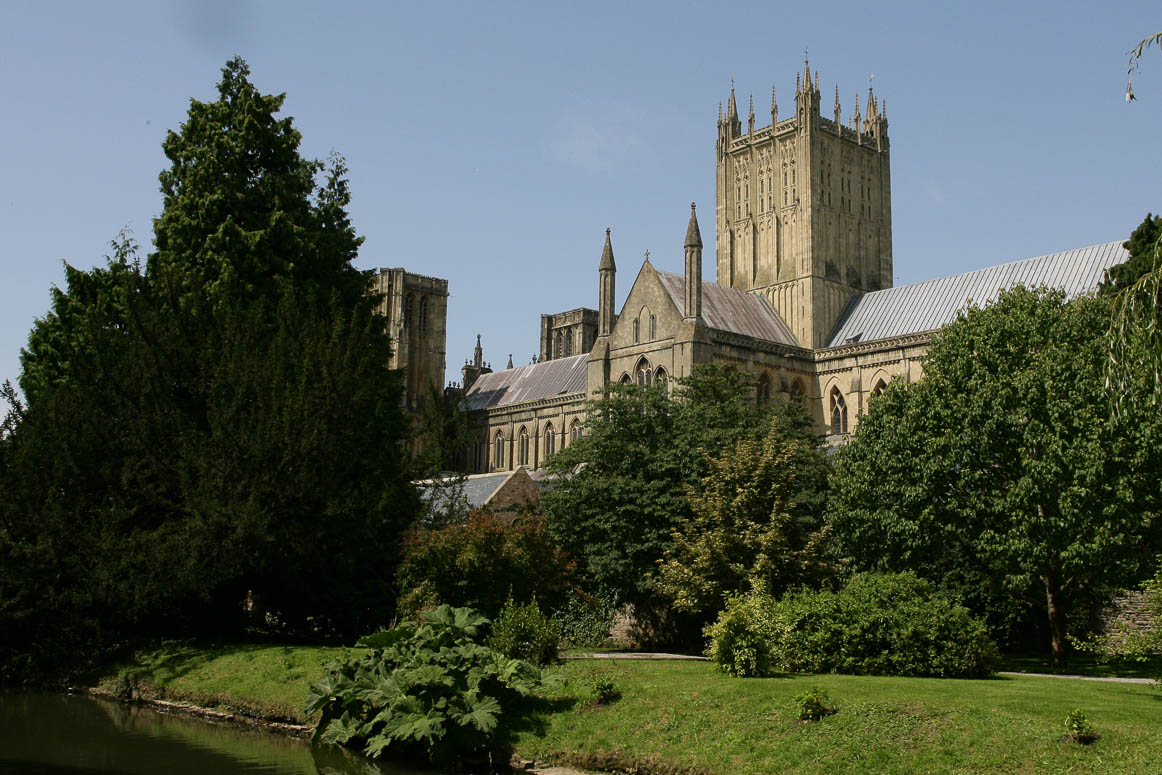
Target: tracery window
<point>568,345</point>
<point>423,314</point>
<point>550,440</point>
<point>523,448</point>
<point>644,373</point>
<point>498,451</point>
<point>838,413</point>
<point>661,378</point>
<point>880,387</point>
<point>575,432</point>
<point>625,379</point>
<point>557,348</point>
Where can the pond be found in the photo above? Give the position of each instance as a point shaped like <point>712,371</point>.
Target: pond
<point>59,734</point>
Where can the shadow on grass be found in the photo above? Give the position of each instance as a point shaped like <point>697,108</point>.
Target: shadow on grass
<point>1082,664</point>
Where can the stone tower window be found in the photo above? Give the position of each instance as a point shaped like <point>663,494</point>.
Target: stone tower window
<point>568,345</point>
<point>575,432</point>
<point>838,413</point>
<point>550,440</point>
<point>498,451</point>
<point>557,350</point>
<point>523,447</point>
<point>409,303</point>
<point>423,314</point>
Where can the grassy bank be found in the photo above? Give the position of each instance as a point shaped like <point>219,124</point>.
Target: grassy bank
<point>676,717</point>
<point>260,680</point>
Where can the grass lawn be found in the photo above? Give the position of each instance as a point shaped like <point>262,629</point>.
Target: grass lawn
<point>264,680</point>
<point>686,717</point>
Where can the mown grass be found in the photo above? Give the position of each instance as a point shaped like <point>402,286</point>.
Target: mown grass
<point>676,717</point>
<point>268,681</point>
<point>687,717</point>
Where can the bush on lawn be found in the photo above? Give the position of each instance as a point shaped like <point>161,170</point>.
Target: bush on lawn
<point>878,624</point>
<point>523,632</point>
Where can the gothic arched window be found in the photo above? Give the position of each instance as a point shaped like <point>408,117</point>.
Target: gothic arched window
<point>423,314</point>
<point>568,345</point>
<point>550,440</point>
<point>653,327</point>
<point>575,432</point>
<point>625,379</point>
<point>661,378</point>
<point>764,389</point>
<point>644,373</point>
<point>409,303</point>
<point>523,447</point>
<point>838,413</point>
<point>637,330</point>
<point>498,451</point>
<point>558,348</point>
<point>880,387</point>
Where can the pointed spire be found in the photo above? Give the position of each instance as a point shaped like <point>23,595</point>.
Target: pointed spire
<point>731,107</point>
<point>509,366</point>
<point>750,117</point>
<point>806,69</point>
<point>478,353</point>
<point>816,80</point>
<point>607,255</point>
<point>838,113</point>
<point>693,237</point>
<point>752,106</point>
<point>774,108</point>
<point>720,111</point>
<point>798,83</point>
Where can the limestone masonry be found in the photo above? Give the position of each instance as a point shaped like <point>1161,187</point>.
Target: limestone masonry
<point>803,299</point>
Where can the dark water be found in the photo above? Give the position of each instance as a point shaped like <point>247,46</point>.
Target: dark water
<point>57,734</point>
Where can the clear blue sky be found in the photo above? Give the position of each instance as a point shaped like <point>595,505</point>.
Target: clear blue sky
<point>493,143</point>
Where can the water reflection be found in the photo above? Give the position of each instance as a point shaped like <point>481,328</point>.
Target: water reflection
<point>57,734</point>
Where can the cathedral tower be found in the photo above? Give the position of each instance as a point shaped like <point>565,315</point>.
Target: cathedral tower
<point>804,214</point>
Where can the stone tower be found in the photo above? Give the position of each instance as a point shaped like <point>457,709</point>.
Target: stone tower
<point>416,308</point>
<point>804,213</point>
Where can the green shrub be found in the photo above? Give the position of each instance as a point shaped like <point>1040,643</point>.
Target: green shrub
<point>426,688</point>
<point>812,705</point>
<point>523,632</point>
<point>603,689</point>
<point>585,621</point>
<point>879,624</point>
<point>482,562</point>
<point>1079,727</point>
<point>742,636</point>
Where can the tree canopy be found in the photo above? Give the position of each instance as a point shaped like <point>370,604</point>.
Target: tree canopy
<point>211,436</point>
<point>623,488</point>
<point>1003,464</point>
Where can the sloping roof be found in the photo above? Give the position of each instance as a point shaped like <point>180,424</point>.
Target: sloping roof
<point>528,383</point>
<point>476,490</point>
<point>734,311</point>
<point>929,305</point>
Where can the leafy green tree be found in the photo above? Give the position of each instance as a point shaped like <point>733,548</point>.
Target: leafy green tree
<point>1142,246</point>
<point>1003,463</point>
<point>753,524</point>
<point>622,487</point>
<point>216,424</point>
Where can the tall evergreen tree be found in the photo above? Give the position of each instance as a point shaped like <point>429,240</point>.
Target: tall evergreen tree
<point>214,425</point>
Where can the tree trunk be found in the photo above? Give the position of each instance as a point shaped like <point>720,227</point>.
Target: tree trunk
<point>1056,618</point>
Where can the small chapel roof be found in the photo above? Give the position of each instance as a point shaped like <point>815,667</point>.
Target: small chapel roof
<point>528,383</point>
<point>731,310</point>
<point>931,304</point>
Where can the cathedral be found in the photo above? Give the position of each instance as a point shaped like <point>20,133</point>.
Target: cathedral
<point>803,298</point>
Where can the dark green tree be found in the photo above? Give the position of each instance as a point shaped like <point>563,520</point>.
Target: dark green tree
<point>1003,464</point>
<point>214,425</point>
<point>1142,246</point>
<point>623,487</point>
